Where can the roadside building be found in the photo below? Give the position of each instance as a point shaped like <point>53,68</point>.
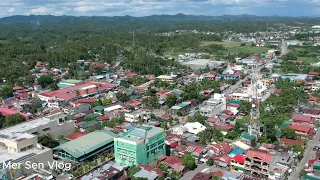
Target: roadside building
<point>259,162</point>
<point>86,147</point>
<point>142,145</point>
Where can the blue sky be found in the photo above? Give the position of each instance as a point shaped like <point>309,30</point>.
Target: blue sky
<point>149,7</point>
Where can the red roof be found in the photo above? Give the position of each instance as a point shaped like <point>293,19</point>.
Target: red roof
<point>97,64</point>
<point>239,158</point>
<point>233,105</point>
<point>304,118</point>
<point>102,118</point>
<point>301,128</point>
<point>212,119</point>
<point>226,147</point>
<point>256,58</point>
<point>277,91</point>
<point>75,135</point>
<point>312,111</point>
<point>290,141</point>
<point>260,155</point>
<point>166,116</point>
<point>313,73</point>
<point>217,173</point>
<point>311,162</point>
<point>313,98</point>
<point>228,112</point>
<point>71,92</point>
<point>131,74</point>
<point>85,101</point>
<point>17,88</point>
<point>134,102</point>
<point>163,92</point>
<point>6,112</point>
<point>224,127</point>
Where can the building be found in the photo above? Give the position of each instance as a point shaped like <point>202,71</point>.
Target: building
<point>86,147</point>
<point>252,61</point>
<point>56,125</point>
<point>227,76</point>
<point>167,78</point>
<point>135,116</point>
<point>69,83</point>
<point>213,106</point>
<point>248,139</point>
<point>81,90</point>
<point>142,145</point>
<point>258,162</point>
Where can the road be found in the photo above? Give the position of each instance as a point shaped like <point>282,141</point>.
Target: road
<point>308,154</point>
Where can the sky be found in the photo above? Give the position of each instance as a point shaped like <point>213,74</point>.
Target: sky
<point>150,7</point>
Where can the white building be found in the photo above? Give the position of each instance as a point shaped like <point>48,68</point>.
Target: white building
<point>213,106</point>
<point>136,115</point>
<point>194,127</point>
<point>167,78</point>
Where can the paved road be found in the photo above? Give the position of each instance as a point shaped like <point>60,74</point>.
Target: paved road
<point>308,154</point>
<point>189,175</point>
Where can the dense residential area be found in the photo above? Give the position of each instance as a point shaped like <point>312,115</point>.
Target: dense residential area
<point>189,104</point>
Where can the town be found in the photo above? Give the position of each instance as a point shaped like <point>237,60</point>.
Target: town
<point>250,115</point>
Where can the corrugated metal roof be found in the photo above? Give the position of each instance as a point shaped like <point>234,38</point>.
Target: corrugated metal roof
<point>87,143</point>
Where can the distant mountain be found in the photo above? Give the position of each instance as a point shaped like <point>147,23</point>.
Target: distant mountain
<point>177,17</point>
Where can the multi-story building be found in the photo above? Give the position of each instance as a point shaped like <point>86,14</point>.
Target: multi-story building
<point>213,106</point>
<point>142,145</point>
<point>259,162</point>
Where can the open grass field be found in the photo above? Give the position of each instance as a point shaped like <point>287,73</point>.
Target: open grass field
<point>308,59</point>
<point>235,47</point>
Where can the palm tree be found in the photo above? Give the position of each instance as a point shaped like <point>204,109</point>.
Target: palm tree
<point>87,91</point>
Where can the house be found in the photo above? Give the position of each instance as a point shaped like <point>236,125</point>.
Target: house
<point>202,176</point>
<point>213,106</point>
<point>194,127</point>
<point>305,119</point>
<point>259,162</point>
<point>174,162</point>
<point>237,162</point>
<point>302,131</point>
<point>135,116</point>
<point>252,61</point>
<point>248,139</point>
<point>172,78</point>
<point>287,141</point>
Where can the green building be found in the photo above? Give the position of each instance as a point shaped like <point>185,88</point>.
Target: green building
<point>86,147</point>
<point>142,145</point>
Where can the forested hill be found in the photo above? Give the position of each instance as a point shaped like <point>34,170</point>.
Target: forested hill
<point>177,17</point>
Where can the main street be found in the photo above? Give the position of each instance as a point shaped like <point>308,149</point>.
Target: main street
<point>308,154</point>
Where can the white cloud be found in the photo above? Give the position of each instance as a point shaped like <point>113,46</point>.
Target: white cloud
<point>86,8</point>
<point>11,10</point>
<point>40,10</point>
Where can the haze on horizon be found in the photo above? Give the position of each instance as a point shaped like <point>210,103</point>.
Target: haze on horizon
<point>150,7</point>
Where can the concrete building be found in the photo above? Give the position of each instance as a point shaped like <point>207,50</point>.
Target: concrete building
<point>86,147</point>
<point>259,162</point>
<point>213,106</point>
<point>142,145</point>
<point>56,125</point>
<point>252,61</point>
<point>135,116</point>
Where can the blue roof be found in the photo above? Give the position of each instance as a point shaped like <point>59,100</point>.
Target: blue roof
<point>236,151</point>
<point>128,127</point>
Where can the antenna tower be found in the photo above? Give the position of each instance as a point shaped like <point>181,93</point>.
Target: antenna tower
<point>254,123</point>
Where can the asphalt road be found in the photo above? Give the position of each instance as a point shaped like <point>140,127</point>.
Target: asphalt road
<point>308,154</point>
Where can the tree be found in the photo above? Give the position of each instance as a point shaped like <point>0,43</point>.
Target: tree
<point>171,100</point>
<point>188,161</point>
<point>14,119</point>
<point>302,173</point>
<point>53,86</point>
<point>174,175</point>
<point>124,84</point>
<point>2,120</point>
<point>48,141</point>
<point>210,162</point>
<point>107,101</point>
<point>133,170</point>
<point>233,135</point>
<point>215,177</point>
<point>45,80</point>
<point>6,91</point>
<point>35,105</point>
<point>245,107</point>
<point>205,136</point>
<point>122,97</point>
<point>151,92</point>
<point>289,133</point>
<point>154,102</point>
